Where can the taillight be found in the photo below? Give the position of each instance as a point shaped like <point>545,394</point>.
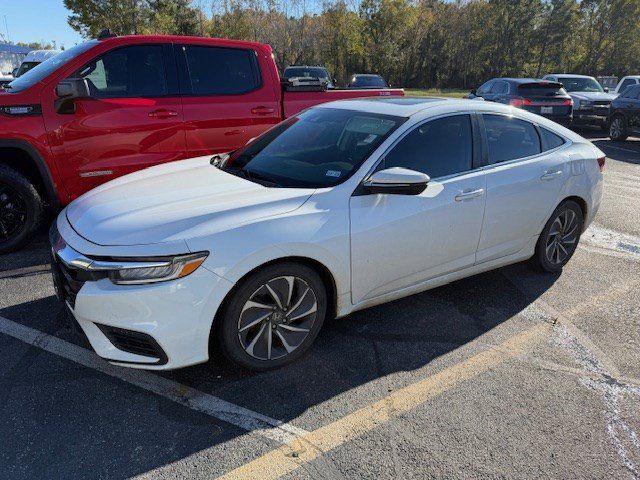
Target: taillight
<point>519,102</point>
<point>601,163</point>
<point>568,102</point>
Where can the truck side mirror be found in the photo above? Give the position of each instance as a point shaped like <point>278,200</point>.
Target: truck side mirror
<point>68,90</point>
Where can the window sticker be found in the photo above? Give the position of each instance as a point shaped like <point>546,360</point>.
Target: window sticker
<point>333,173</point>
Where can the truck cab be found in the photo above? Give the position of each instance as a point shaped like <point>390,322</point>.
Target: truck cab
<point>109,107</point>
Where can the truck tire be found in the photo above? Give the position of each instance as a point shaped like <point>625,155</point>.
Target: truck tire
<point>21,210</point>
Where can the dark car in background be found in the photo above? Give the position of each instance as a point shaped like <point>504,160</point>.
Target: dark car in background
<point>309,71</point>
<point>548,99</point>
<point>367,80</point>
<point>624,117</point>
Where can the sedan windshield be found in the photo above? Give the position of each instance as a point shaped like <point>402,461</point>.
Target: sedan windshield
<point>579,84</point>
<point>320,147</point>
<point>42,70</point>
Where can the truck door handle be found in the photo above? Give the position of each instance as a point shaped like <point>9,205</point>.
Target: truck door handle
<point>548,175</point>
<point>469,194</point>
<point>163,113</point>
<point>262,110</point>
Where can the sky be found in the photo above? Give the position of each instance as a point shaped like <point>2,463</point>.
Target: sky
<point>36,21</point>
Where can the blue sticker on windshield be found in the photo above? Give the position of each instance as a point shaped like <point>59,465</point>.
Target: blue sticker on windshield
<point>333,173</point>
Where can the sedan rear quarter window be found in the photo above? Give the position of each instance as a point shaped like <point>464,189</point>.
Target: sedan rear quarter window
<point>510,138</point>
<point>550,140</point>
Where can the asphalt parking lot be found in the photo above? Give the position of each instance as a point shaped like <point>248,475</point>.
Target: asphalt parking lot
<point>508,374</point>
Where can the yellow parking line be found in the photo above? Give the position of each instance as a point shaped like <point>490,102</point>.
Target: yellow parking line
<point>310,446</point>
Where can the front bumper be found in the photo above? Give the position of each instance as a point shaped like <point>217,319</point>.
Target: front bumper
<point>589,119</point>
<point>166,324</point>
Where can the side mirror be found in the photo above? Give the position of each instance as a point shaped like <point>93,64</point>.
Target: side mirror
<point>396,180</point>
<point>606,89</point>
<point>473,92</point>
<point>69,90</point>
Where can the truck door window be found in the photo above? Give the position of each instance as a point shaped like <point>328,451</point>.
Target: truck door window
<point>221,71</point>
<point>136,71</point>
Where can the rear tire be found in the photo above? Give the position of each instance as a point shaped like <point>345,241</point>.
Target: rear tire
<point>273,317</point>
<point>618,129</point>
<point>559,238</point>
<point>21,210</point>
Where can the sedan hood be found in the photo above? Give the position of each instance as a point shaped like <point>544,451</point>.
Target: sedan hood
<point>175,201</point>
<point>592,96</point>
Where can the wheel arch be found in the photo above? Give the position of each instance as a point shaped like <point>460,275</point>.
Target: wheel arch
<point>582,203</point>
<point>322,270</point>
<point>25,159</point>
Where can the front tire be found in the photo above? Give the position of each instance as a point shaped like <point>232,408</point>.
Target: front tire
<point>559,238</point>
<point>21,210</point>
<point>273,317</point>
<point>618,129</point>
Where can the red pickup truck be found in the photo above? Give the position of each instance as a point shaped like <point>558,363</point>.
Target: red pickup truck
<point>109,107</point>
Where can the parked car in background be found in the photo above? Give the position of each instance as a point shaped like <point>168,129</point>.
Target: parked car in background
<point>345,206</point>
<point>626,82</point>
<point>608,82</point>
<point>307,71</point>
<point>624,119</point>
<point>545,98</point>
<point>108,107</point>
<point>590,101</point>
<point>33,58</point>
<point>10,58</point>
<point>367,80</point>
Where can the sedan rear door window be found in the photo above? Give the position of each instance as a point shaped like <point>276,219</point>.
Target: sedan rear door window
<point>510,138</point>
<point>438,148</point>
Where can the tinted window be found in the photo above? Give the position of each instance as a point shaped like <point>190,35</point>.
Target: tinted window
<point>626,83</point>
<point>500,87</point>
<point>307,72</point>
<point>136,71</point>
<point>631,92</point>
<point>550,140</point>
<point>361,81</point>
<point>485,87</point>
<point>438,148</point>
<point>221,71</point>
<point>321,147</point>
<point>509,138</point>
<point>543,89</point>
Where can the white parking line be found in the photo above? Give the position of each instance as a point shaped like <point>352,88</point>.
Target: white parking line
<point>607,239</point>
<point>246,419</point>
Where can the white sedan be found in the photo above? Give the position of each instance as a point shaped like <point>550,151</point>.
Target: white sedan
<point>344,206</point>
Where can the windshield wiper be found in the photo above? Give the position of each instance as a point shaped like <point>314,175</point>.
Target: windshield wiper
<point>260,178</point>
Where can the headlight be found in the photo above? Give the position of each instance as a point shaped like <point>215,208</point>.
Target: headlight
<point>585,104</point>
<point>136,272</point>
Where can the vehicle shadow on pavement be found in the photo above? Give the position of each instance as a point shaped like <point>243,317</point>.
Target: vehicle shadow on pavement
<point>627,151</point>
<point>77,417</point>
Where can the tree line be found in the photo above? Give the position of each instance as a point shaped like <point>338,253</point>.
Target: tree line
<point>412,43</point>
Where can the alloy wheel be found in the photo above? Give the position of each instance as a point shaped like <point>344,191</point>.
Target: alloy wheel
<point>13,212</point>
<point>617,128</point>
<point>277,318</point>
<point>562,237</point>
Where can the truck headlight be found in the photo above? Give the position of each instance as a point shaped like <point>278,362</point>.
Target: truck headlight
<point>585,104</point>
<point>137,272</point>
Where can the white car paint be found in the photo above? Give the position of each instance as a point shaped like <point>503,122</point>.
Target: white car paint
<point>632,80</point>
<point>376,247</point>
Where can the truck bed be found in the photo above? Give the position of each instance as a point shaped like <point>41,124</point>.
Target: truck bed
<point>294,102</point>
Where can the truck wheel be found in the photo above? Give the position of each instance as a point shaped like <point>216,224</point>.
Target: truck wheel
<point>21,210</point>
<point>618,129</point>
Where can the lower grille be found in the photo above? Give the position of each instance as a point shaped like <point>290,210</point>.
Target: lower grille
<point>137,343</point>
<point>70,282</point>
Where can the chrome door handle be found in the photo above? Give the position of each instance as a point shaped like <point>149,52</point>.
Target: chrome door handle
<point>163,113</point>
<point>551,175</point>
<point>469,194</point>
